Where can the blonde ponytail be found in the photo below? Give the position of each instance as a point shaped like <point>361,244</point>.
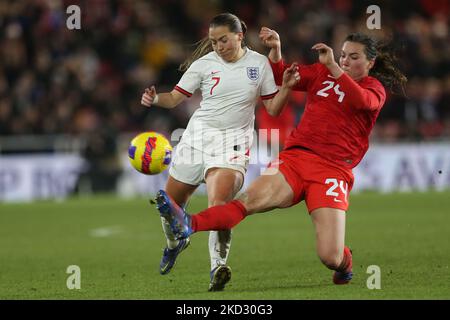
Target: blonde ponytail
<point>203,47</point>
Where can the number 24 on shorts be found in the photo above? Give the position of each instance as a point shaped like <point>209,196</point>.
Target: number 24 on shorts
<point>341,184</point>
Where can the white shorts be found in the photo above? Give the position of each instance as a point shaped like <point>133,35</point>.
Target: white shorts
<point>190,165</point>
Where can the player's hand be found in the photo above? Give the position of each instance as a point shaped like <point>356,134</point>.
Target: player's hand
<point>270,38</point>
<point>326,55</point>
<point>148,96</point>
<point>291,76</point>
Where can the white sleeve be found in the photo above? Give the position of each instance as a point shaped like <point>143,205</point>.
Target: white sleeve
<point>191,79</point>
<point>268,87</point>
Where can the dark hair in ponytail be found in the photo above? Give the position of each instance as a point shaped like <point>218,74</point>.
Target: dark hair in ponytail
<point>384,68</point>
<point>204,46</point>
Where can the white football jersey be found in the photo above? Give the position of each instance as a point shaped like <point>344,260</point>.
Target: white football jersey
<point>230,91</point>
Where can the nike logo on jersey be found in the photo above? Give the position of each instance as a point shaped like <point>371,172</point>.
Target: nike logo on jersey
<point>214,72</point>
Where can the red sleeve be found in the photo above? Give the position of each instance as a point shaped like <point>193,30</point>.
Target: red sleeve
<point>307,73</point>
<point>278,69</point>
<point>369,95</point>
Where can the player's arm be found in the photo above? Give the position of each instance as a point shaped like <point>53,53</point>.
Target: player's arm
<point>275,105</point>
<point>357,96</point>
<point>166,100</point>
<point>271,39</point>
<point>326,57</point>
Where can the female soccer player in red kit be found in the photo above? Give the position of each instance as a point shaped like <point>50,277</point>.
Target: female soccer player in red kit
<point>343,103</point>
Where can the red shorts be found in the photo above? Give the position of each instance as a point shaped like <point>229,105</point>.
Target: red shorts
<point>321,183</point>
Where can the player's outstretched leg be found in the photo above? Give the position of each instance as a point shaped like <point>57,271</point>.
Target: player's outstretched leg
<point>178,219</point>
<point>179,192</point>
<point>344,274</point>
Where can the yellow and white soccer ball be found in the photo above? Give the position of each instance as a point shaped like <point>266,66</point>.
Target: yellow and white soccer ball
<point>150,153</point>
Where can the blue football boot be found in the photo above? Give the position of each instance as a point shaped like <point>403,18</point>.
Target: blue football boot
<point>170,256</point>
<point>178,219</point>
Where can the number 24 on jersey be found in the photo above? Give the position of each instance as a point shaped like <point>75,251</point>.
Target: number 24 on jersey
<point>328,86</point>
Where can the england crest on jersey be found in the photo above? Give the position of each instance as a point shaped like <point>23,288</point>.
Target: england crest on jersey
<point>253,73</point>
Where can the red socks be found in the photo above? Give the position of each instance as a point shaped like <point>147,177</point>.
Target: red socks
<point>346,263</point>
<point>221,217</point>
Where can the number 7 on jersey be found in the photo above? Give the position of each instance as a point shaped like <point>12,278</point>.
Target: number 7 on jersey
<point>217,79</point>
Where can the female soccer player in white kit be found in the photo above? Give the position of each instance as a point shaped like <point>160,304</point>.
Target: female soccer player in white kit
<point>214,148</point>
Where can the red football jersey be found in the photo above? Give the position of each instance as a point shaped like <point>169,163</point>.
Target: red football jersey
<point>339,113</point>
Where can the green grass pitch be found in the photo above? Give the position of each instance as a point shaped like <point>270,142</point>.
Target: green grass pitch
<point>118,244</point>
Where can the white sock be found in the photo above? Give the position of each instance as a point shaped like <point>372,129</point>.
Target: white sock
<point>171,241</point>
<point>219,247</point>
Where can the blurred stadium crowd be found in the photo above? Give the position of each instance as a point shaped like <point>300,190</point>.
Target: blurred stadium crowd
<point>55,80</point>
<point>89,82</point>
